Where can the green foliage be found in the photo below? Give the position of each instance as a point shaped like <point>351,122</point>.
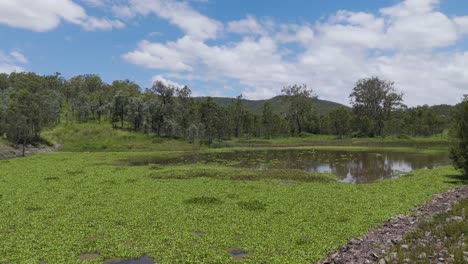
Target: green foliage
<point>102,137</point>
<point>252,205</point>
<point>77,204</point>
<point>28,104</point>
<point>278,104</point>
<point>338,122</point>
<point>300,111</point>
<point>459,149</point>
<point>373,102</point>
<point>203,200</point>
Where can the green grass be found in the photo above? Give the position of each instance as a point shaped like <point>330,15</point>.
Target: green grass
<point>434,142</point>
<point>438,237</point>
<point>53,207</point>
<point>94,137</point>
<point>5,149</point>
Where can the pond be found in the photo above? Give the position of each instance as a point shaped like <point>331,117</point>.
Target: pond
<point>348,166</point>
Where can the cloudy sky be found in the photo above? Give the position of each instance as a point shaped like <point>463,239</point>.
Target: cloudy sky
<point>228,47</point>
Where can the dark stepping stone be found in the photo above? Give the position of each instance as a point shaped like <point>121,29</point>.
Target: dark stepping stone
<point>237,253</point>
<point>143,260</point>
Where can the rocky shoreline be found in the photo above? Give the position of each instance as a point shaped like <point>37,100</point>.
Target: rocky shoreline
<point>377,243</point>
<point>10,152</point>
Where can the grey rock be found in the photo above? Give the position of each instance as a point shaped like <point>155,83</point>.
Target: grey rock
<point>454,218</point>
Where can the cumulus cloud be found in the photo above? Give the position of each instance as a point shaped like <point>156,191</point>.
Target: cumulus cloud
<point>46,15</point>
<point>399,43</point>
<point>180,14</point>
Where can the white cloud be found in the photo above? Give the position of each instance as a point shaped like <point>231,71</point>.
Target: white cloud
<point>18,56</point>
<point>93,23</point>
<point>303,34</point>
<point>191,22</point>
<point>8,62</point>
<point>95,3</point>
<point>462,24</point>
<point>248,25</point>
<point>410,7</point>
<point>46,15</point>
<point>165,81</point>
<point>399,43</point>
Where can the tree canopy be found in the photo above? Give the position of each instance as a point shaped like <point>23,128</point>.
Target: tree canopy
<point>30,102</point>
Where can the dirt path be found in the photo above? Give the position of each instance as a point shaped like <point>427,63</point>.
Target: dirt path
<point>369,248</point>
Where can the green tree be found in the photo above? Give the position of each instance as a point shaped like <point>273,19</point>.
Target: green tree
<point>31,103</point>
<point>373,102</point>
<point>459,149</point>
<point>339,121</point>
<point>237,114</point>
<point>269,120</point>
<point>135,112</point>
<point>165,108</point>
<point>300,107</point>
<point>119,106</point>
<point>184,109</point>
<point>122,92</point>
<point>210,120</point>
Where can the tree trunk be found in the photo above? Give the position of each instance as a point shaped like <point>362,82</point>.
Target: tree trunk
<point>24,143</point>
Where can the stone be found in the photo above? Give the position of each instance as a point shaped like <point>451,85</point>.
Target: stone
<point>454,218</point>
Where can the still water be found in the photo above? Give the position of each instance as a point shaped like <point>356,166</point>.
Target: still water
<point>348,166</point>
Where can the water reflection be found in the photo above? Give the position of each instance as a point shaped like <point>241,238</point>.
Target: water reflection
<point>348,166</point>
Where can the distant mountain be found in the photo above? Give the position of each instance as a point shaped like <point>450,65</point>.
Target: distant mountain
<point>278,104</point>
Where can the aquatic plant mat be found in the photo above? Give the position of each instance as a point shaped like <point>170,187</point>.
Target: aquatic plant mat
<point>82,208</point>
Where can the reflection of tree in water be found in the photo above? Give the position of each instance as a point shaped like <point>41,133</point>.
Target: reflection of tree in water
<point>366,167</point>
<point>356,167</point>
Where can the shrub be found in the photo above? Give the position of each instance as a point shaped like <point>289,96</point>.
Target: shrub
<point>459,149</point>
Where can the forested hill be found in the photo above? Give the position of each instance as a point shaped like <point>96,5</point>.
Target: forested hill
<point>278,104</point>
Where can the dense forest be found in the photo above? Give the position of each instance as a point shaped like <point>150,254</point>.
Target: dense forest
<point>30,103</point>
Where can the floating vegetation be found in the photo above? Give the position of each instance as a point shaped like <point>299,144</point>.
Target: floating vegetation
<point>203,200</point>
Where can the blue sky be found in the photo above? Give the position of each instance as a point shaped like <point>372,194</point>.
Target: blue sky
<point>224,48</point>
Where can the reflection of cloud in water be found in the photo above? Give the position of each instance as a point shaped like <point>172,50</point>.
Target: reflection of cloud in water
<point>348,166</point>
<point>322,168</point>
<point>349,179</point>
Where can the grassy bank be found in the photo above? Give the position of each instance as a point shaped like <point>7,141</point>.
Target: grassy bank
<point>102,137</point>
<point>94,137</point>
<point>60,205</point>
<point>434,142</point>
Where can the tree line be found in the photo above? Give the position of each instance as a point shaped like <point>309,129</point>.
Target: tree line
<point>31,102</point>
